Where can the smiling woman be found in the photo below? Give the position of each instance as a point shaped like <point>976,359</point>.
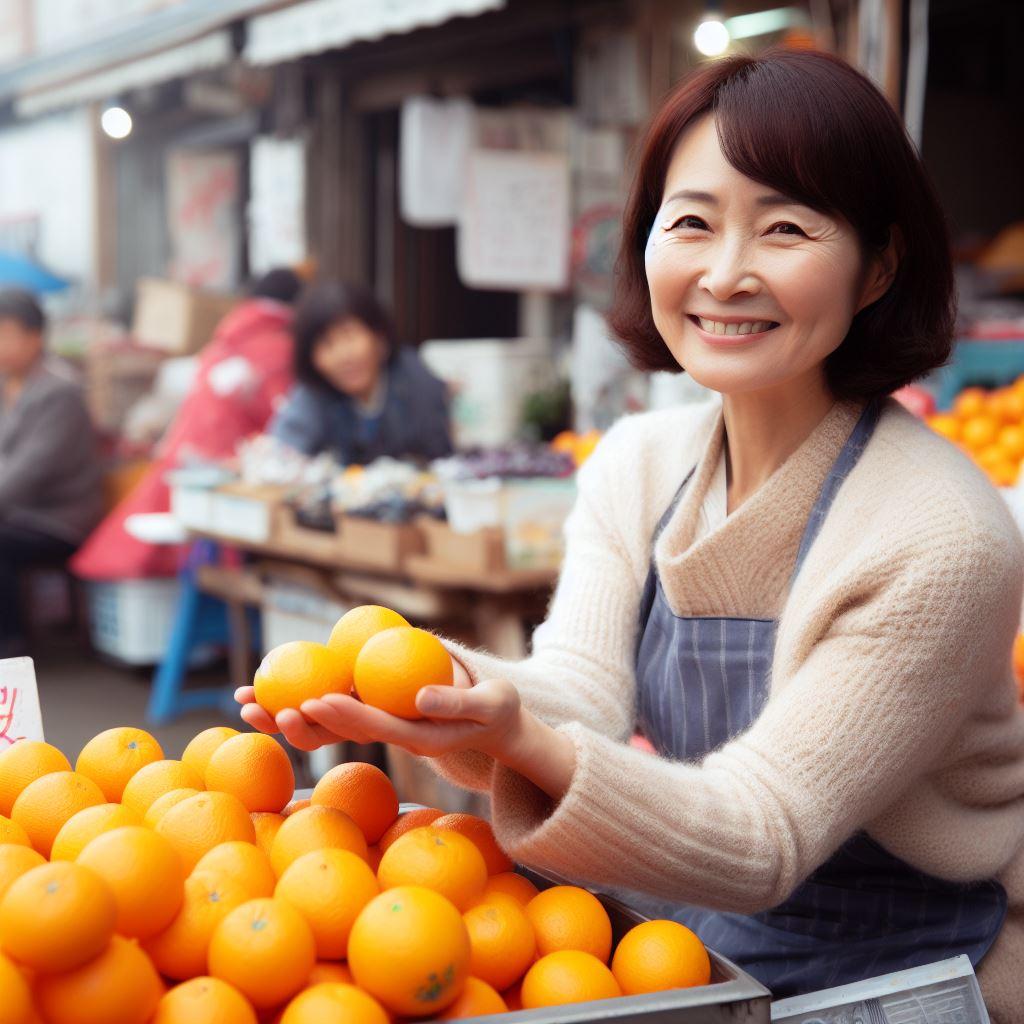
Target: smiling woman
<point>803,598</point>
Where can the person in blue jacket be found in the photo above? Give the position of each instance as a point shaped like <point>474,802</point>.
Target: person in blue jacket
<point>359,394</point>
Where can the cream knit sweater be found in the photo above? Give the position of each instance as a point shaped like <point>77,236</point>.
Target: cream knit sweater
<point>892,706</point>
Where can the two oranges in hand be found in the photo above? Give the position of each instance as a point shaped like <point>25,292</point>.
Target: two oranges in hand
<point>372,653</point>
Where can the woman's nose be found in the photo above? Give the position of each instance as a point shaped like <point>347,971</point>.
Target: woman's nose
<point>728,271</point>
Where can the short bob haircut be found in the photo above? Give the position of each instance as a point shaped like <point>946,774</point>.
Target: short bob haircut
<point>811,127</point>
<point>324,305</point>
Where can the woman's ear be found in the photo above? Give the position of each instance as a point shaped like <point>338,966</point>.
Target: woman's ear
<point>882,269</point>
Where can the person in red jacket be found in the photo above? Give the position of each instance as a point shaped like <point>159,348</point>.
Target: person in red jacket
<point>243,373</point>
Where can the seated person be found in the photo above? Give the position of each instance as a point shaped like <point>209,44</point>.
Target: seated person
<point>244,372</point>
<point>359,396</point>
<point>51,491</point>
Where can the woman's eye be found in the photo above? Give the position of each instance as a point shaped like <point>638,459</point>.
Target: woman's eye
<point>689,221</point>
<point>787,228</point>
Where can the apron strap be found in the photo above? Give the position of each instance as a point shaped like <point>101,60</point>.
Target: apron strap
<point>841,469</point>
<point>651,583</point>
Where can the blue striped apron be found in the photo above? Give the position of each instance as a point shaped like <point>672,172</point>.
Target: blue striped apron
<point>702,681</point>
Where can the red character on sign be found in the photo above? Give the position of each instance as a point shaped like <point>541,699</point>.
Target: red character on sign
<point>8,698</point>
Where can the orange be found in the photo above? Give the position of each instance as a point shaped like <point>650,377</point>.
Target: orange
<point>82,828</point>
<point>511,884</point>
<point>243,862</point>
<point>15,860</point>
<point>296,805</point>
<point>331,1001</point>
<point>200,748</point>
<point>659,955</point>
<point>324,970</point>
<point>567,976</point>
<point>266,824</point>
<point>1011,441</point>
<point>120,986</point>
<point>970,402</point>
<point>265,949</point>
<point>479,831</point>
<point>144,871</point>
<point>410,950</point>
<point>979,432</point>
<point>315,828</point>
<point>1010,405</point>
<point>567,917</point>
<point>45,805</point>
<point>990,457</point>
<point>364,793</point>
<point>297,671</point>
<point>113,757</point>
<point>12,832</point>
<point>478,999</point>
<point>514,997</point>
<point>395,665</point>
<point>255,768</point>
<point>162,804</point>
<point>1004,474</point>
<point>198,824</point>
<point>1018,671</point>
<point>153,780</point>
<point>204,1001</point>
<point>16,1005</point>
<point>24,762</point>
<point>374,857</point>
<point>56,917</point>
<point>946,425</point>
<point>501,939</point>
<point>180,950</point>
<point>355,627</point>
<point>407,821</point>
<point>446,862</point>
<point>329,888</point>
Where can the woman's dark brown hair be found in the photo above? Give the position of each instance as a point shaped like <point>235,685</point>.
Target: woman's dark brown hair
<point>813,128</point>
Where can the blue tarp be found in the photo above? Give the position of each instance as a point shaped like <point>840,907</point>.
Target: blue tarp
<point>17,271</point>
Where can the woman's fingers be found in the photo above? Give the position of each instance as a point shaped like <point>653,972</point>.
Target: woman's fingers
<point>301,734</point>
<point>484,703</point>
<point>245,694</point>
<point>255,716</point>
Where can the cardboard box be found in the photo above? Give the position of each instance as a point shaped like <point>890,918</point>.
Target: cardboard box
<point>248,512</point>
<point>175,318</point>
<point>304,541</point>
<point>368,544</point>
<point>115,379</point>
<point>476,553</point>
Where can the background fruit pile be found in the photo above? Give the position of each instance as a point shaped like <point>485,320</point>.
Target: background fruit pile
<point>136,888</point>
<point>989,426</point>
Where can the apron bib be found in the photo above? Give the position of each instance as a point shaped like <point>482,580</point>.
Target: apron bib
<point>703,681</point>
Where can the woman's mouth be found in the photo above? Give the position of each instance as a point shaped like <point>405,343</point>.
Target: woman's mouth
<point>720,329</point>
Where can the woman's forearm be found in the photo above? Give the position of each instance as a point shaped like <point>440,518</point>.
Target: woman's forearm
<point>541,754</point>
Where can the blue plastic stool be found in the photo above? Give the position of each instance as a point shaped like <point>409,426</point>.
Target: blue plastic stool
<point>199,620</point>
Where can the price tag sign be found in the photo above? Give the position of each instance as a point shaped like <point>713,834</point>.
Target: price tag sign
<point>20,717</point>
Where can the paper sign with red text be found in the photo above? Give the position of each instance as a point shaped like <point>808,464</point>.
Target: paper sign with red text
<point>20,717</point>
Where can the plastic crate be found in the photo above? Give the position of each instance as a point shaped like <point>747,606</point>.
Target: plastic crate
<point>131,620</point>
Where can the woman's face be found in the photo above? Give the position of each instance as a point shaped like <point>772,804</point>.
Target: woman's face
<point>349,356</point>
<point>749,289</point>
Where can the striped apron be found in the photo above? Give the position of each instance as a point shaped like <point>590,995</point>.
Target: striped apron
<point>703,681</point>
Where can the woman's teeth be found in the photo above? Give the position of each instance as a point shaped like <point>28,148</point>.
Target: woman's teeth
<point>747,327</point>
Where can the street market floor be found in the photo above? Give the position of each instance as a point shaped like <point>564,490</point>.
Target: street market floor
<point>81,695</point>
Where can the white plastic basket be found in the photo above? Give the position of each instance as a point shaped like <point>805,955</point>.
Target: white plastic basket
<point>131,620</point>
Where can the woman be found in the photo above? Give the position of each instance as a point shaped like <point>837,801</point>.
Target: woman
<point>804,598</point>
<point>359,395</point>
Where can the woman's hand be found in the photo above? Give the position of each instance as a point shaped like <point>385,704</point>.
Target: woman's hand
<point>488,717</point>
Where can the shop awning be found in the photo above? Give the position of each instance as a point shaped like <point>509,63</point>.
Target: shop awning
<point>318,25</point>
<point>210,51</point>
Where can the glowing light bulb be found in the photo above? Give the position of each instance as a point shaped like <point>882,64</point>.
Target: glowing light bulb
<point>116,122</point>
<point>711,37</point>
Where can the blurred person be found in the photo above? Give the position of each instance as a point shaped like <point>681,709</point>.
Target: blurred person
<point>243,374</point>
<point>359,394</point>
<point>50,475</point>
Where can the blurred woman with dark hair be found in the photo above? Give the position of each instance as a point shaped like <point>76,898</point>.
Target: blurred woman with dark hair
<point>359,394</point>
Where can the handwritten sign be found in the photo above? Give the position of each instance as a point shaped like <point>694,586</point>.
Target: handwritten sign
<point>20,717</point>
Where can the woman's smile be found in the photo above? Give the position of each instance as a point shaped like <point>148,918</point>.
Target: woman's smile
<point>731,332</point>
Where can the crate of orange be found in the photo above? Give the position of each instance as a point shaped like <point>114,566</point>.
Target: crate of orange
<point>141,889</point>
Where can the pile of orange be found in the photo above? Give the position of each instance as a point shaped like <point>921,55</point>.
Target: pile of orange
<point>579,446</point>
<point>989,426</point>
<point>372,653</point>
<point>136,888</point>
